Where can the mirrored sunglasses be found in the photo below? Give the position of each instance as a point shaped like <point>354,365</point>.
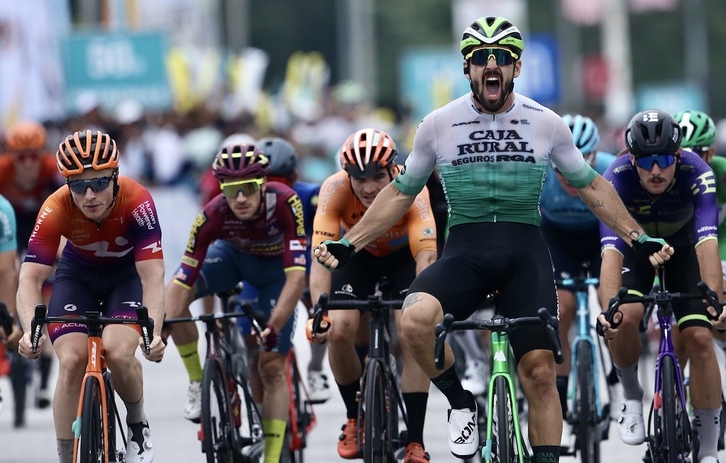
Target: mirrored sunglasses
<point>96,185</point>
<point>481,57</point>
<point>246,187</point>
<point>663,161</point>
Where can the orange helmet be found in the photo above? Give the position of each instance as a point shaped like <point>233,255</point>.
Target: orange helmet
<point>366,152</point>
<point>26,135</point>
<point>87,149</point>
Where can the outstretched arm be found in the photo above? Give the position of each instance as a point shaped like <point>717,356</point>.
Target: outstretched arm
<point>602,199</point>
<point>387,209</point>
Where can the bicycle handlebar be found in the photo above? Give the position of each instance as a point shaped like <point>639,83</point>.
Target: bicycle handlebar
<point>372,303</point>
<point>498,324</point>
<point>660,297</point>
<point>92,318</point>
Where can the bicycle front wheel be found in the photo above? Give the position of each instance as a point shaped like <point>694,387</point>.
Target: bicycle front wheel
<point>674,446</point>
<point>504,426</point>
<point>92,446</point>
<point>216,428</point>
<point>588,440</point>
<point>375,437</point>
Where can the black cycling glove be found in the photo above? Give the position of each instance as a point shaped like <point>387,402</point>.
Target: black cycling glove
<point>341,250</point>
<point>644,246</point>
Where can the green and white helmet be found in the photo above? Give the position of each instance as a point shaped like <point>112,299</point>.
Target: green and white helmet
<point>697,127</point>
<point>492,31</point>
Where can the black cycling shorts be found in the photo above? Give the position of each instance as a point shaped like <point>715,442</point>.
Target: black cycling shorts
<point>480,258</point>
<point>357,280</point>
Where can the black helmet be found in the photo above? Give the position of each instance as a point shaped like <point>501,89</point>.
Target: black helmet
<point>652,132</point>
<point>282,155</point>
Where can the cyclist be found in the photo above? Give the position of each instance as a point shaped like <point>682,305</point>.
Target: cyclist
<point>368,161</point>
<point>283,168</point>
<point>699,134</point>
<point>113,255</point>
<point>253,231</point>
<point>8,283</point>
<point>671,192</point>
<point>28,175</point>
<point>492,148</point>
<point>571,232</point>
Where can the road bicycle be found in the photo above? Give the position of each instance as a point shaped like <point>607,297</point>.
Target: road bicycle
<point>98,423</point>
<point>381,406</point>
<point>503,439</point>
<point>301,420</point>
<point>231,423</point>
<point>669,429</point>
<point>589,415</point>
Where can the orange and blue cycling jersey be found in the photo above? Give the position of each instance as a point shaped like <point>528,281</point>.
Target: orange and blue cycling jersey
<point>131,233</point>
<point>339,209</point>
<point>279,232</point>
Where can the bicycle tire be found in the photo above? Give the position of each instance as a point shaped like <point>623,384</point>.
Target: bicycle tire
<point>669,421</point>
<point>249,437</point>
<point>216,441</point>
<point>299,419</point>
<point>505,451</point>
<point>375,437</point>
<point>92,446</point>
<point>588,440</point>
<point>112,413</point>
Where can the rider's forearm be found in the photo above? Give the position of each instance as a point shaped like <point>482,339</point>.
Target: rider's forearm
<point>151,274</point>
<point>610,276</point>
<point>288,299</point>
<point>30,293</point>
<point>709,264</point>
<point>387,209</point>
<point>603,200</point>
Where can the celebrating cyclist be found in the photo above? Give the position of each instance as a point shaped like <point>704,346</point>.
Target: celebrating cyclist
<point>570,230</point>
<point>672,194</point>
<point>407,247</point>
<point>113,255</point>
<point>492,148</point>
<point>252,231</point>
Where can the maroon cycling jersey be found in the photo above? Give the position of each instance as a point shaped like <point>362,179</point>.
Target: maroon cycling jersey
<point>279,231</point>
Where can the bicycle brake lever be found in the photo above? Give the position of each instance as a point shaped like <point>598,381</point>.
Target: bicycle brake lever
<point>712,298</point>
<point>441,330</point>
<point>551,323</point>
<point>36,326</point>
<point>147,327</point>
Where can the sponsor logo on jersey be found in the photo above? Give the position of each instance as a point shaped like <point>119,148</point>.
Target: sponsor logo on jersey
<point>300,260</point>
<point>190,261</point>
<point>144,215</point>
<point>41,217</point>
<point>196,226</point>
<point>428,232</point>
<point>297,210</point>
<point>456,124</point>
<point>295,245</point>
<point>525,105</point>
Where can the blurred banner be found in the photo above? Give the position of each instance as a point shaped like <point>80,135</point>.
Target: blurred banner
<point>113,67</point>
<point>30,59</point>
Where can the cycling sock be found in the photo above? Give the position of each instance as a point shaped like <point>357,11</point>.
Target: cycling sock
<point>349,394</point>
<point>416,408</point>
<point>628,377</point>
<point>708,427</point>
<point>135,411</point>
<point>449,384</point>
<point>274,438</point>
<point>546,454</point>
<point>562,392</point>
<point>190,357</point>
<point>65,450</point>
<point>317,354</point>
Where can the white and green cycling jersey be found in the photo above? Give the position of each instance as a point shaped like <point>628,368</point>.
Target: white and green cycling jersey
<point>492,166</point>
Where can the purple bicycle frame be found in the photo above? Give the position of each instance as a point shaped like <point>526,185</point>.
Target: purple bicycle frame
<point>665,349</point>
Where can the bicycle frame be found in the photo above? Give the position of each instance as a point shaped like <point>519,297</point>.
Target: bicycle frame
<point>95,366</point>
<point>584,334</point>
<point>503,368</point>
<point>503,365</point>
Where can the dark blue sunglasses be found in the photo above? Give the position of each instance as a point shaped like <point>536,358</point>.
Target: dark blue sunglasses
<point>96,185</point>
<point>663,161</point>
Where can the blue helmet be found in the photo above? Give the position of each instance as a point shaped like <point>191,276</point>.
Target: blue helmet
<point>584,131</point>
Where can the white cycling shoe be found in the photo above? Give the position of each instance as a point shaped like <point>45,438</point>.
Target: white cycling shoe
<point>631,427</point>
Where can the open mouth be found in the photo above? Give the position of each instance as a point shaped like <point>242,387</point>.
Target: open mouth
<point>492,86</point>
